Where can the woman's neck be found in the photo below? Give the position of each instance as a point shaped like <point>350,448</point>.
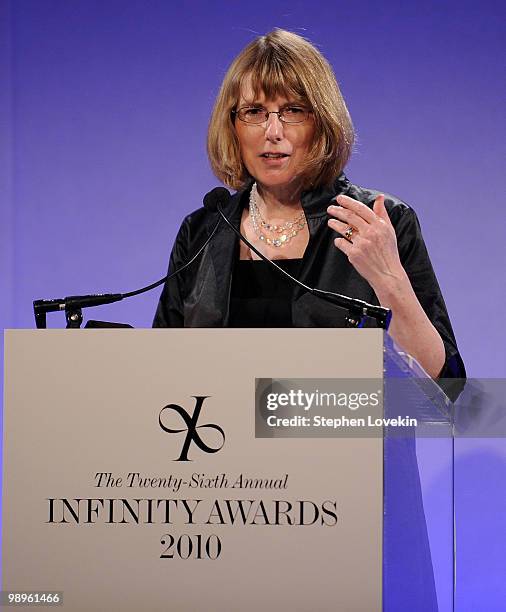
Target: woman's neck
<point>280,201</point>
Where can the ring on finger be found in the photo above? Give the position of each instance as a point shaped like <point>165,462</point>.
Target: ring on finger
<point>349,233</point>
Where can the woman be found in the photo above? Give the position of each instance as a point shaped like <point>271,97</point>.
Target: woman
<point>281,135</point>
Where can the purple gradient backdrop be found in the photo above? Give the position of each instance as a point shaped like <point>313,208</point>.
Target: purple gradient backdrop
<point>103,114</point>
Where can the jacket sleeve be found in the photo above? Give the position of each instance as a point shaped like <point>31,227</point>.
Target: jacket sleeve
<point>416,262</point>
<point>170,312</point>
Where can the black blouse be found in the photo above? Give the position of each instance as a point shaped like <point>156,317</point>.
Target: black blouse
<point>260,295</point>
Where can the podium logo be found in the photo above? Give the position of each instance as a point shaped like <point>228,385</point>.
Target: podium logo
<point>190,420</point>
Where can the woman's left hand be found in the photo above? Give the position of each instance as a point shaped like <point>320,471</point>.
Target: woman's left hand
<point>370,243</point>
<point>371,247</point>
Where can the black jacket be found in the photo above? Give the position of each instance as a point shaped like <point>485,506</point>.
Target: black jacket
<point>199,297</point>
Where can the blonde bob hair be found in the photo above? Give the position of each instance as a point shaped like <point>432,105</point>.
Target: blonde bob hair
<point>285,64</point>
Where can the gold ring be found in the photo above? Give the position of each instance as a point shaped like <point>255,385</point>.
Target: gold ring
<point>349,233</point>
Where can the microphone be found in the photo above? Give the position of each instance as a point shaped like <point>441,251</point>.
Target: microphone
<point>358,310</point>
<point>73,304</point>
<point>216,197</point>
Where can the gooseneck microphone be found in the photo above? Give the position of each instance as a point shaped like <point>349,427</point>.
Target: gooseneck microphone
<point>358,310</point>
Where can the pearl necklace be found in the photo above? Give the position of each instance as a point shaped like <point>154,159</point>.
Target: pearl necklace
<point>286,231</point>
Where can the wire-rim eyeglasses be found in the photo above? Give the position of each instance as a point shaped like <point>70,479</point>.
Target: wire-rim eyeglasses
<point>258,115</point>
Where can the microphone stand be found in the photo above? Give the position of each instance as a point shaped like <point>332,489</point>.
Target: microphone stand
<point>73,306</point>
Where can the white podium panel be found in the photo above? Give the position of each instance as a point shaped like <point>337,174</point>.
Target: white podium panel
<point>133,479</point>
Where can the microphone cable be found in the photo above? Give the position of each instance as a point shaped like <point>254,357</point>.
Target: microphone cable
<point>73,304</point>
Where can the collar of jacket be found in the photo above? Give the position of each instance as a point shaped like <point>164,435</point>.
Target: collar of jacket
<point>316,202</point>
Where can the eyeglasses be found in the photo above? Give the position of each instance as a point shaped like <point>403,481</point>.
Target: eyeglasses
<point>258,114</point>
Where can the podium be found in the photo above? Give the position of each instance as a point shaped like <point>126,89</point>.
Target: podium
<point>222,469</point>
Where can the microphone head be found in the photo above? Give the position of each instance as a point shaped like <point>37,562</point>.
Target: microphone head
<point>219,195</point>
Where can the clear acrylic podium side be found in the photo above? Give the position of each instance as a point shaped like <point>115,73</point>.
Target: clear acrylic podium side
<point>418,529</point>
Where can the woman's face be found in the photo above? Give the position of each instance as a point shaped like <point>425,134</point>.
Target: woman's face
<point>274,151</point>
